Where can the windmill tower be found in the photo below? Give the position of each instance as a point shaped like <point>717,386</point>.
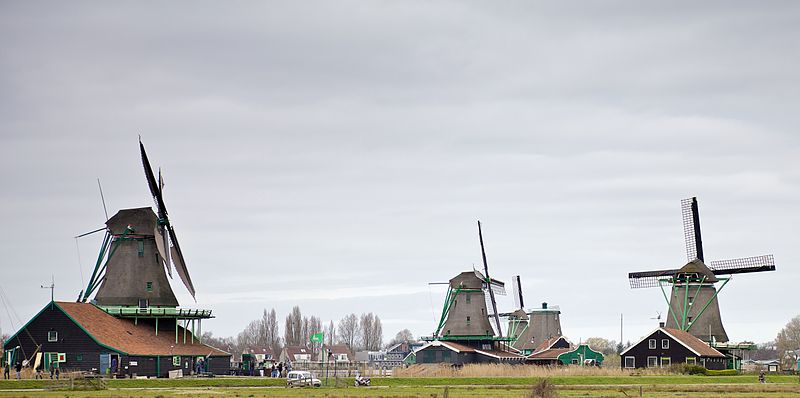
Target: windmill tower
<point>528,329</point>
<point>692,298</point>
<point>137,255</point>
<point>470,309</point>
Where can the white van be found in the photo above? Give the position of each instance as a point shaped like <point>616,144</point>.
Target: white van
<point>301,378</point>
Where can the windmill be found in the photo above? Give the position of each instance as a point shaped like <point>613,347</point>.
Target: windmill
<point>470,305</point>
<point>692,300</point>
<point>529,328</point>
<point>137,254</point>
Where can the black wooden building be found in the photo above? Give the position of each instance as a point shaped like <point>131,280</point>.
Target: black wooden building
<point>664,347</point>
<point>81,336</point>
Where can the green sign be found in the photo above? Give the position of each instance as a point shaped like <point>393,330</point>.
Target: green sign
<point>317,337</point>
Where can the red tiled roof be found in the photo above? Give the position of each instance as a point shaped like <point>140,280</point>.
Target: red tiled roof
<point>552,353</point>
<point>693,343</point>
<point>123,335</point>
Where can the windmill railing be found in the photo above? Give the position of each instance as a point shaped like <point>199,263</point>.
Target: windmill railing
<point>157,312</point>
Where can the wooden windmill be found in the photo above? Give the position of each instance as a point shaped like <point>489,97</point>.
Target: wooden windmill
<point>692,298</point>
<point>530,328</point>
<point>470,309</point>
<point>137,254</point>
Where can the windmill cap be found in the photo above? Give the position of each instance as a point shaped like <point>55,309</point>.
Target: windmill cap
<point>698,267</point>
<point>142,220</point>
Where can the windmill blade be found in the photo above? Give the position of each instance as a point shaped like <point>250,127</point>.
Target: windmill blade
<point>491,290</point>
<point>516,291</point>
<point>691,229</point>
<point>151,182</point>
<point>180,264</point>
<point>161,245</point>
<point>499,288</point>
<point>743,265</point>
<point>646,279</point>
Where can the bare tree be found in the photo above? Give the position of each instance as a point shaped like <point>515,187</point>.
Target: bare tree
<point>371,336</point>
<point>788,343</point>
<point>293,333</point>
<point>402,336</point>
<point>602,345</point>
<point>330,334</point>
<point>272,331</point>
<point>348,330</point>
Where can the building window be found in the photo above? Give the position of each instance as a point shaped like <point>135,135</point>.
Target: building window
<point>467,319</point>
<point>79,357</point>
<point>665,362</point>
<point>141,248</point>
<point>52,336</point>
<point>691,361</point>
<point>468,298</point>
<point>149,286</point>
<point>652,362</point>
<point>574,361</point>
<point>630,362</point>
<point>176,360</point>
<point>664,344</point>
<point>652,344</point>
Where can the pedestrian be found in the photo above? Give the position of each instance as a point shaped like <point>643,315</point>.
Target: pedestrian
<point>57,372</point>
<point>52,369</point>
<point>19,370</point>
<point>6,370</point>
<point>280,369</point>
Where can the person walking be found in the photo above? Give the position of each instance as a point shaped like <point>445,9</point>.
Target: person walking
<point>6,370</point>
<point>19,370</point>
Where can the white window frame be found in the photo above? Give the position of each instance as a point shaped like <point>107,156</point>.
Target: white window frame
<point>664,344</point>
<point>668,361</point>
<point>693,361</point>
<point>655,362</point>
<point>651,344</point>
<point>633,362</point>
<point>52,336</point>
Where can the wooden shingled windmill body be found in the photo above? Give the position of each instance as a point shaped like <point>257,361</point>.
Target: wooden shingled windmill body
<point>470,313</point>
<point>138,253</point>
<point>693,296</point>
<point>530,328</point>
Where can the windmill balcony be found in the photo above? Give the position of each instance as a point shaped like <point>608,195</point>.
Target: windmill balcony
<point>156,312</point>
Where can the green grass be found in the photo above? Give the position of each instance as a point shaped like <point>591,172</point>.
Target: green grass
<point>579,380</point>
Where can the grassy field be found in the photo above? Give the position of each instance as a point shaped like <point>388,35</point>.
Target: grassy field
<point>433,387</point>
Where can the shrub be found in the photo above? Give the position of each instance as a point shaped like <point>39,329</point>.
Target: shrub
<point>543,389</point>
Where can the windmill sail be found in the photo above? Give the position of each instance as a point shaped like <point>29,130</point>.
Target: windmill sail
<point>516,291</point>
<point>492,285</point>
<point>180,264</point>
<point>691,229</point>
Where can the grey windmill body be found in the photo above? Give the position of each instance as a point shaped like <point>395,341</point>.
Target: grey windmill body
<point>693,296</point>
<point>134,270</point>
<point>545,323</point>
<point>468,315</point>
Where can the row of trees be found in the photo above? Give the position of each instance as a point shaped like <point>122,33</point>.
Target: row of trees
<point>364,332</point>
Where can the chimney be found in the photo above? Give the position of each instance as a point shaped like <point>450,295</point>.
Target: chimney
<point>544,306</point>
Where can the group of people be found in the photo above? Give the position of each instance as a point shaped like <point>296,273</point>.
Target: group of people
<point>275,369</point>
<point>55,373</point>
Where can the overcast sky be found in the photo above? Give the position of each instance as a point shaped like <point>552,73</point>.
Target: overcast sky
<point>336,155</point>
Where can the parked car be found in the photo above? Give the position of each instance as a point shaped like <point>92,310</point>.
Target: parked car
<point>302,378</point>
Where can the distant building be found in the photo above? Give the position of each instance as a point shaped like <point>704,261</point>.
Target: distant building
<point>339,353</point>
<point>450,352</point>
<point>296,354</point>
<point>581,355</point>
<point>664,347</point>
<point>549,351</point>
<point>260,354</point>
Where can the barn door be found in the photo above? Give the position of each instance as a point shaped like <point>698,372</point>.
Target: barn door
<point>105,363</point>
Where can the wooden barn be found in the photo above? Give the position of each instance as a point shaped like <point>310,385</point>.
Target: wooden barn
<point>664,347</point>
<point>450,352</point>
<point>83,337</point>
